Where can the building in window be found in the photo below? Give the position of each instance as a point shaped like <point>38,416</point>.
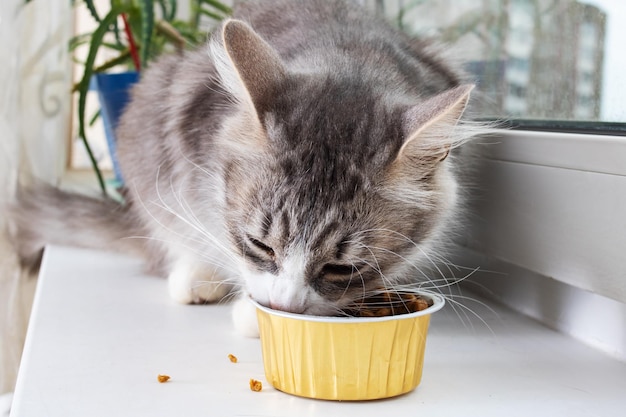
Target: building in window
<point>532,58</point>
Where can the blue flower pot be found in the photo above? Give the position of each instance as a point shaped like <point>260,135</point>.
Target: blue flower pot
<point>113,92</point>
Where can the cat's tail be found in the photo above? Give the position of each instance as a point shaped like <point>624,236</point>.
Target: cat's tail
<point>43,215</point>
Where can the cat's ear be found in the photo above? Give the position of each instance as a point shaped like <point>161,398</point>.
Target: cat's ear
<point>429,127</point>
<point>250,69</point>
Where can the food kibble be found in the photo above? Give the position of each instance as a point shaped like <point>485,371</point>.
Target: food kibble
<point>163,378</point>
<point>232,358</point>
<point>387,303</point>
<point>255,385</point>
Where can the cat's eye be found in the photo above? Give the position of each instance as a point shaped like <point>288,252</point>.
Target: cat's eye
<point>262,246</point>
<point>337,269</point>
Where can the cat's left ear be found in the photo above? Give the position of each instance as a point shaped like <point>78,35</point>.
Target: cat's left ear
<point>429,127</point>
<point>250,69</point>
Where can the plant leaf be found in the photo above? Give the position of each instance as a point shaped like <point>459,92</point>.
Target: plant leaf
<point>83,86</point>
<point>77,40</point>
<point>219,6</point>
<point>116,31</point>
<point>168,9</point>
<point>92,10</point>
<point>94,118</point>
<point>211,14</point>
<point>168,31</point>
<point>123,58</point>
<point>147,26</point>
<point>173,10</point>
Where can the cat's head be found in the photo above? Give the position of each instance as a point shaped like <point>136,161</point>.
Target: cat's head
<point>333,189</point>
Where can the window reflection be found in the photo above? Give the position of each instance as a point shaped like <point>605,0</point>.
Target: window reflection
<point>540,59</point>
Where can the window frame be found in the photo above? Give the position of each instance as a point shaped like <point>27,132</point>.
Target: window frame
<point>572,181</point>
<point>565,126</point>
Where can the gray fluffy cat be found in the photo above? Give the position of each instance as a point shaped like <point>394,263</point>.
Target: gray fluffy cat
<point>301,159</point>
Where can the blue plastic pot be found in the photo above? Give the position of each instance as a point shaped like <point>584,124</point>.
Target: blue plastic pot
<point>113,92</point>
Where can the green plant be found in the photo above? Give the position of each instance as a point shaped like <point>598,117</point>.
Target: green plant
<point>137,31</point>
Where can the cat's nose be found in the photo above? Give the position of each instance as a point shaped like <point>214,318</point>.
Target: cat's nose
<point>277,306</point>
<point>286,308</point>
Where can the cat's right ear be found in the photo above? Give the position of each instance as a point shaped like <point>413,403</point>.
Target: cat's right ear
<point>430,128</point>
<point>249,68</point>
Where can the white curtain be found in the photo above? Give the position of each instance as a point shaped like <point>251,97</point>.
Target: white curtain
<point>35,108</point>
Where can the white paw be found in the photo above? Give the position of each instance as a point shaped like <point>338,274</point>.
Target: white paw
<point>190,283</point>
<point>244,317</point>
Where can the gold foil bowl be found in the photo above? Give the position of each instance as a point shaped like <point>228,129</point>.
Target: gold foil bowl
<point>344,358</point>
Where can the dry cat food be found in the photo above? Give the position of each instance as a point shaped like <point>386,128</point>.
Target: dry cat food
<point>388,303</point>
<point>255,385</point>
<point>163,378</point>
<point>232,358</point>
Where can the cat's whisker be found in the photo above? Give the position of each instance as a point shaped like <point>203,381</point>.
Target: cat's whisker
<point>438,285</point>
<point>214,179</point>
<point>468,312</point>
<point>441,260</point>
<point>193,221</point>
<point>375,266</point>
<point>399,235</point>
<point>169,229</point>
<point>403,258</point>
<point>354,269</point>
<point>438,288</point>
<point>228,298</point>
<point>231,282</point>
<point>200,243</point>
<point>437,259</point>
<point>207,239</point>
<point>387,283</point>
<point>202,231</point>
<point>447,285</point>
<point>368,263</point>
<point>214,261</point>
<point>454,282</point>
<point>435,266</point>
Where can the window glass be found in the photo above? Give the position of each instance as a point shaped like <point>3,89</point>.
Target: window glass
<point>532,59</point>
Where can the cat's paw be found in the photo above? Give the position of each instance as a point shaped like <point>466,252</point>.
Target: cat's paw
<point>244,317</point>
<point>189,283</point>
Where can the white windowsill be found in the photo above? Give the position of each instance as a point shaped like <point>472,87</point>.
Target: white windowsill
<point>582,152</point>
<point>101,331</point>
<point>548,235</point>
<point>553,203</point>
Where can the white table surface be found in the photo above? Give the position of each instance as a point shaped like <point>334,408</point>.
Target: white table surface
<point>101,331</point>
